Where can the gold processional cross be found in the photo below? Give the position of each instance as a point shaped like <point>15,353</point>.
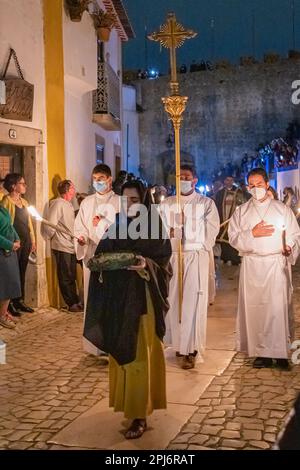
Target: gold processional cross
<point>172,35</point>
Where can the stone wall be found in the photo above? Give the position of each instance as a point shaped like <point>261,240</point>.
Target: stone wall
<point>229,112</point>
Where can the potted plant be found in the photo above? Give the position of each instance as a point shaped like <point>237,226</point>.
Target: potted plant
<point>103,22</point>
<point>76,8</point>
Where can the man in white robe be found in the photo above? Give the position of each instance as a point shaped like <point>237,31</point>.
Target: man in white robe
<point>97,212</point>
<point>267,236</point>
<point>200,228</point>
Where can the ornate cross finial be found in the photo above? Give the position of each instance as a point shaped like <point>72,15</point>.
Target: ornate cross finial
<point>172,35</point>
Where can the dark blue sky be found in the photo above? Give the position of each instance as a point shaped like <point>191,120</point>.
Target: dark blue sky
<point>233,29</point>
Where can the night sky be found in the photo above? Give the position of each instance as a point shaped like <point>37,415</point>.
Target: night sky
<point>232,35</point>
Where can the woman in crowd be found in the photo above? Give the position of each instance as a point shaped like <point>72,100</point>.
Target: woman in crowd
<point>9,269</point>
<point>16,205</point>
<point>125,314</point>
<point>290,199</point>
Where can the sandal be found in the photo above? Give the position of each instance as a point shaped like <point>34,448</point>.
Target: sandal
<point>7,322</point>
<point>137,429</point>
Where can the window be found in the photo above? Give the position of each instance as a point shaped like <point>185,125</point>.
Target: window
<point>100,145</point>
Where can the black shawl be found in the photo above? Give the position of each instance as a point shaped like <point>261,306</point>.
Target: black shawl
<point>114,307</point>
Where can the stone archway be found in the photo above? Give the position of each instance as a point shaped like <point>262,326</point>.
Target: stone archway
<point>32,143</point>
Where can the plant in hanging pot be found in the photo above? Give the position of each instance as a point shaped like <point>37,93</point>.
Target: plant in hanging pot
<point>76,8</point>
<point>103,22</point>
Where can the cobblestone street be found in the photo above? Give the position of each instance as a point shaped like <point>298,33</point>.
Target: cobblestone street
<point>49,385</point>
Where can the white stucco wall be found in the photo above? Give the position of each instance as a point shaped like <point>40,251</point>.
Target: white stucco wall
<point>80,62</point>
<point>130,131</point>
<point>21,27</point>
<point>81,140</point>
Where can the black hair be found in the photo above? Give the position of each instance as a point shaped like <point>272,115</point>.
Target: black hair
<point>258,171</point>
<point>10,180</point>
<point>102,168</point>
<point>188,167</point>
<point>135,185</point>
<point>143,193</point>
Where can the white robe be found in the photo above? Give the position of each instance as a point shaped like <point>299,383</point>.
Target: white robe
<point>264,319</point>
<point>107,205</point>
<point>201,228</point>
<point>211,278</point>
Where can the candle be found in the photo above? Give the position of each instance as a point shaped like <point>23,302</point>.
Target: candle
<point>34,213</point>
<point>283,238</point>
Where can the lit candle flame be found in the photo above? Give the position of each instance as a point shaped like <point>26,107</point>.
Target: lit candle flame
<point>162,198</point>
<point>32,211</point>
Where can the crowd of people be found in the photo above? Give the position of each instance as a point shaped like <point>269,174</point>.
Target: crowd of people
<point>148,272</point>
<point>274,156</point>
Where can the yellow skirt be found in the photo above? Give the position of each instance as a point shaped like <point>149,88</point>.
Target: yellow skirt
<point>139,387</point>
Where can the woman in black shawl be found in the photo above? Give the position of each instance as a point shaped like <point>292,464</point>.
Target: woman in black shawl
<point>126,310</point>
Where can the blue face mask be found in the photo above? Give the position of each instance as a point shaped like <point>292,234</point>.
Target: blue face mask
<point>100,186</point>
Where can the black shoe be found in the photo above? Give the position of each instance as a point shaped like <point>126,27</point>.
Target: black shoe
<point>75,308</point>
<point>283,364</point>
<point>261,362</point>
<point>13,311</point>
<point>20,305</point>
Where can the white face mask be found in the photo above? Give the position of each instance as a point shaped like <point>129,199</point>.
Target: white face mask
<point>258,193</point>
<point>186,187</point>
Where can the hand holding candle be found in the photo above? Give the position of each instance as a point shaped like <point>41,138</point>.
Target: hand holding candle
<point>286,250</point>
<point>34,213</point>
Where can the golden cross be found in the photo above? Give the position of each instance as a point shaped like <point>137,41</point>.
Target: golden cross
<point>172,35</point>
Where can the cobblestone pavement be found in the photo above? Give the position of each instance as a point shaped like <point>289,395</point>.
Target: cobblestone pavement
<point>48,382</point>
<point>245,408</point>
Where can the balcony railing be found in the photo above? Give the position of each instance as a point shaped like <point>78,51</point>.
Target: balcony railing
<point>106,99</point>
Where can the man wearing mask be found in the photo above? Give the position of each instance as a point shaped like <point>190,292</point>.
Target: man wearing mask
<point>196,230</point>
<point>96,213</point>
<point>267,236</point>
<point>227,199</point>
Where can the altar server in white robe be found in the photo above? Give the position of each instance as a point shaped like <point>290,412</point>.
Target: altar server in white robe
<point>97,212</point>
<point>267,236</point>
<point>200,228</point>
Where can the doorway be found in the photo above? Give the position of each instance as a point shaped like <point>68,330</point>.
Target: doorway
<point>11,160</point>
<point>21,151</point>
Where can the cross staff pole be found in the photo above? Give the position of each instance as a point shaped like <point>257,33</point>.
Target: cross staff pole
<point>172,35</point>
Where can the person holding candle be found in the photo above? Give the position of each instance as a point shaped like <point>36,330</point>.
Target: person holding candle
<point>267,236</point>
<point>61,214</point>
<point>96,213</point>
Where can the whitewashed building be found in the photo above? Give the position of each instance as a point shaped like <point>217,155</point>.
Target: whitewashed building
<point>77,110</point>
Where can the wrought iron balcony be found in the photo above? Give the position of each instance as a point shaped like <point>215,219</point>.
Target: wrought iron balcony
<point>106,99</point>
